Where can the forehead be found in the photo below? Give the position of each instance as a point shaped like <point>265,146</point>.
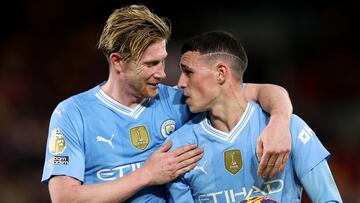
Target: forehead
<point>191,59</point>
<point>155,51</point>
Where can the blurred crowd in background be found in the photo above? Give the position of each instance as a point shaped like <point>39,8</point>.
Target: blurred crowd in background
<point>48,53</point>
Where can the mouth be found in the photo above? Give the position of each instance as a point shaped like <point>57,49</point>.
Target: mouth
<point>154,85</point>
<point>186,99</point>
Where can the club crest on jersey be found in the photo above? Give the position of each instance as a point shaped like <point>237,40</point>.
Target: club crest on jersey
<point>233,161</point>
<point>167,127</point>
<point>57,143</point>
<point>139,137</point>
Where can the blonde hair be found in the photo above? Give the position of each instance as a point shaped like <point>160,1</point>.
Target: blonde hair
<point>130,30</point>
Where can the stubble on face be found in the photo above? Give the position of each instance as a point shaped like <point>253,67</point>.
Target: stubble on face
<point>145,82</point>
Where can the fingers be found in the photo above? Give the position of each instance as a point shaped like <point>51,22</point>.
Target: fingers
<point>267,165</point>
<point>274,169</point>
<point>181,150</point>
<point>263,163</point>
<point>185,169</point>
<point>190,158</point>
<point>165,147</point>
<point>165,165</point>
<point>271,164</point>
<point>259,149</point>
<point>187,164</point>
<point>283,163</point>
<point>187,157</point>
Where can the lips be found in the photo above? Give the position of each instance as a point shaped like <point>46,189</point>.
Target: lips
<point>154,85</point>
<point>186,98</point>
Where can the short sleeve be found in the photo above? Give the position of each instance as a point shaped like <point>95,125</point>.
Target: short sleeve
<point>307,150</point>
<point>64,149</point>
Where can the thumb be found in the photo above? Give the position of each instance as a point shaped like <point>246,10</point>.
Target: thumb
<point>259,149</point>
<point>165,147</point>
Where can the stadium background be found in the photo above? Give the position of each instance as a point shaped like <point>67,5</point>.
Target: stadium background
<point>48,53</point>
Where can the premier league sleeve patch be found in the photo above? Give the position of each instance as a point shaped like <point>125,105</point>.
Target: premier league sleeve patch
<point>58,160</point>
<point>57,142</point>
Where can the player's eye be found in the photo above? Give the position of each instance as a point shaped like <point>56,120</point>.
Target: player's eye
<point>154,63</point>
<point>188,72</point>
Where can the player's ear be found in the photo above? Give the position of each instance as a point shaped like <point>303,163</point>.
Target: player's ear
<point>115,61</point>
<point>221,71</point>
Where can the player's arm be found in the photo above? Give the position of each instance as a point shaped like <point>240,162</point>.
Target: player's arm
<point>274,144</point>
<point>319,184</point>
<point>162,167</point>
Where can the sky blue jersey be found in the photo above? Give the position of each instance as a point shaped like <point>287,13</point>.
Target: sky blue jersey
<point>93,138</point>
<point>228,170</point>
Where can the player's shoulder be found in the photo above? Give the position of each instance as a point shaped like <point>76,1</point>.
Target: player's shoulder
<point>300,130</point>
<point>195,121</point>
<point>253,106</point>
<point>165,89</point>
<point>296,121</point>
<point>171,95</point>
<point>256,111</point>
<point>186,133</point>
<point>77,100</point>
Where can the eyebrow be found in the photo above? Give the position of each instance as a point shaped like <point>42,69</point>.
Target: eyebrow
<point>184,67</point>
<point>154,60</point>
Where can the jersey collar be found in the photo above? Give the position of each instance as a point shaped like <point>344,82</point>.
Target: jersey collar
<point>113,104</point>
<point>235,132</point>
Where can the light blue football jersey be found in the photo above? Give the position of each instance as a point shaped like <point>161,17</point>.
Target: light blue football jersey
<point>228,170</point>
<point>95,139</point>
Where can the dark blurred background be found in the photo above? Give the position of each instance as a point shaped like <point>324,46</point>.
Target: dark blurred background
<point>48,53</point>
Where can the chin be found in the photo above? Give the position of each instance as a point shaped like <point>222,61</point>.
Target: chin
<point>151,93</point>
<point>193,109</point>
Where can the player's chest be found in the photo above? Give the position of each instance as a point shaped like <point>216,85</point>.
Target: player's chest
<point>115,135</point>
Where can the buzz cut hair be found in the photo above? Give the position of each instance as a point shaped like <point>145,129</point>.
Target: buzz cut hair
<point>216,44</point>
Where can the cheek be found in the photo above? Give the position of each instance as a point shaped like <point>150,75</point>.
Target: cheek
<point>146,74</point>
<point>139,70</point>
<point>138,77</point>
<point>202,86</point>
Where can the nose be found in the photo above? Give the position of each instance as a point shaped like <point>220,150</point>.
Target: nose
<point>182,81</point>
<point>160,72</point>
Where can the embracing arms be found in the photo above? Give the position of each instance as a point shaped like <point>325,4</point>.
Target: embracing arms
<point>162,167</point>
<point>274,144</point>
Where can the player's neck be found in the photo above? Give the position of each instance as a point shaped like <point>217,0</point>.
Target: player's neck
<point>120,94</point>
<point>227,114</point>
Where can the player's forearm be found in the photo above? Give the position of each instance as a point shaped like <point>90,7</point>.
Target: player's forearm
<point>113,191</point>
<point>118,190</point>
<point>273,99</point>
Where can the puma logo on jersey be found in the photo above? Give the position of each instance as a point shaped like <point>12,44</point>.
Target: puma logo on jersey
<point>102,139</point>
<point>201,168</point>
<point>58,112</point>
